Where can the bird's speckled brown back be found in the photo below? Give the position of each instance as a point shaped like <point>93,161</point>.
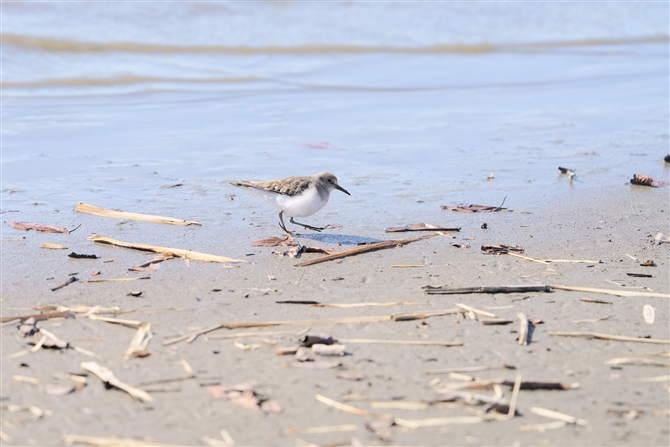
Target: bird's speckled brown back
<point>289,186</point>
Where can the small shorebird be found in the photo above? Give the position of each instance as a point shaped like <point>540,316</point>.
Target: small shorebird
<point>295,196</point>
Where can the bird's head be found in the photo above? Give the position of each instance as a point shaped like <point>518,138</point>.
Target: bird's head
<point>330,182</point>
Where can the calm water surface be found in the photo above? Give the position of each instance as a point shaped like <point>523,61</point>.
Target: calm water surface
<point>405,102</point>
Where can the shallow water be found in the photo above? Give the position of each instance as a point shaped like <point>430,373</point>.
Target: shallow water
<point>405,103</point>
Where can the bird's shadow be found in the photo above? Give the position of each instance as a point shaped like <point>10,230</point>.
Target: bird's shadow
<point>344,239</point>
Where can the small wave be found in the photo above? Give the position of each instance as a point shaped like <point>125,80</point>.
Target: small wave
<point>59,45</point>
<point>120,80</point>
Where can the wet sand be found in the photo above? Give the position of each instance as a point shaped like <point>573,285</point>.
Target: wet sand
<point>602,225</point>
<point>151,108</point>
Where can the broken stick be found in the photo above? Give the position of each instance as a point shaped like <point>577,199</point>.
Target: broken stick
<point>363,249</point>
<point>178,252</point>
<point>610,337</point>
<point>448,290</point>
<point>103,212</point>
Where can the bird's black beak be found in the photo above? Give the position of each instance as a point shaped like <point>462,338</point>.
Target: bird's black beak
<point>342,189</point>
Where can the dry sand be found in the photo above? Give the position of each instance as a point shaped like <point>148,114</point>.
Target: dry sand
<point>179,298</point>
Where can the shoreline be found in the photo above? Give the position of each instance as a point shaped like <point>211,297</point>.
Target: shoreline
<point>604,227</point>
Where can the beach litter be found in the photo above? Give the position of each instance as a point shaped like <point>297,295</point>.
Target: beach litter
<point>275,242</point>
<point>103,212</point>
<point>501,249</point>
<point>36,317</point>
<point>645,180</point>
<point>111,381</point>
<point>40,227</point>
<point>67,282</point>
<point>153,264</point>
<point>363,249</point>
<point>51,246</point>
<point>140,341</point>
<point>74,255</point>
<point>648,313</point>
<point>471,208</point>
<point>245,395</point>
<point>176,252</point>
<point>524,338</point>
<point>609,337</point>
<point>111,441</point>
<point>117,279</point>
<point>420,227</point>
<point>450,290</point>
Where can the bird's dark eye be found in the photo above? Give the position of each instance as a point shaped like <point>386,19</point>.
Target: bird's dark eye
<point>330,181</point>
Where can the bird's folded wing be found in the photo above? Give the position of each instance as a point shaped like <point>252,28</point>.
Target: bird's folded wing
<point>287,186</point>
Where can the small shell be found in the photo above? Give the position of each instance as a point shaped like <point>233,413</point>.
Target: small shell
<point>648,313</point>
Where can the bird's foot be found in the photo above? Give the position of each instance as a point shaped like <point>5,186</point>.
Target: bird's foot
<point>289,233</point>
<point>308,227</point>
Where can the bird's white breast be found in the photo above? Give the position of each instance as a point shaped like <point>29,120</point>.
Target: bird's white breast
<point>302,205</point>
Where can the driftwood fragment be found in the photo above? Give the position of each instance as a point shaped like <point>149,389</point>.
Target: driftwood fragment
<point>462,369</point>
<point>103,212</point>
<point>559,416</point>
<point>111,380</point>
<point>636,361</point>
<point>37,317</point>
<point>420,227</point>
<point>349,408</point>
<point>523,329</point>
<point>363,249</point>
<point>275,242</point>
<point>130,323</point>
<point>74,255</point>
<point>449,290</point>
<point>502,249</point>
<point>549,261</point>
<point>69,281</point>
<point>496,321</point>
<point>322,429</point>
<point>471,208</point>
<point>526,384</point>
<point>401,342</point>
<point>110,441</point>
<point>436,422</point>
<point>609,337</point>
<point>593,300</point>
<point>152,265</point>
<point>40,227</point>
<point>137,278</point>
<point>476,311</point>
<point>51,246</point>
<point>178,252</point>
<point>138,344</point>
<point>626,293</point>
<point>349,305</point>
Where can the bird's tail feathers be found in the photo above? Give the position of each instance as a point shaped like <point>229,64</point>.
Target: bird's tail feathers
<point>241,183</point>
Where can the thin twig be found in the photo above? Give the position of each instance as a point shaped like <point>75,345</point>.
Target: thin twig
<point>609,337</point>
<point>363,249</point>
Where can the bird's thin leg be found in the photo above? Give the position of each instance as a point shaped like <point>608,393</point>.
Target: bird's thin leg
<point>307,226</point>
<point>281,223</point>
